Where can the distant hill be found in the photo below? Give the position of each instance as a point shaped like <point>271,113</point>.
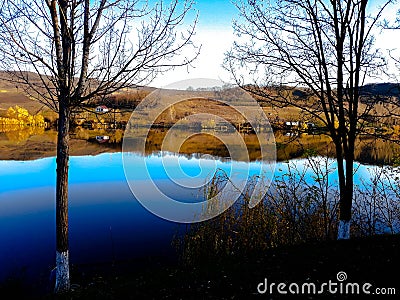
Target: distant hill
<point>381,89</point>
<point>373,89</point>
<point>12,93</point>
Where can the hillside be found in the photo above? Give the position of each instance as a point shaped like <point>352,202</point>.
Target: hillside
<point>12,93</point>
<point>381,89</point>
<point>197,101</point>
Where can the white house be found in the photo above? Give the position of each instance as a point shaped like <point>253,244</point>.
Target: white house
<point>102,109</point>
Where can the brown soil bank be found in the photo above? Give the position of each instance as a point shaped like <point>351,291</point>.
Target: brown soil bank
<point>372,260</point>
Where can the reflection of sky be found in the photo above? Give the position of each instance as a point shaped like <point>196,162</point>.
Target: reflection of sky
<point>298,166</point>
<point>159,167</point>
<point>27,174</point>
<point>101,206</point>
<point>99,199</point>
<point>105,223</point>
<point>15,175</point>
<point>107,168</point>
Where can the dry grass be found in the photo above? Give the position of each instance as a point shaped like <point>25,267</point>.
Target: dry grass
<point>293,210</point>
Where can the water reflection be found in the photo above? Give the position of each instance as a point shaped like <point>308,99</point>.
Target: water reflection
<point>32,143</point>
<point>106,221</point>
<point>18,134</point>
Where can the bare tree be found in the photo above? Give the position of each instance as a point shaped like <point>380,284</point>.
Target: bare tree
<point>86,49</point>
<point>324,49</point>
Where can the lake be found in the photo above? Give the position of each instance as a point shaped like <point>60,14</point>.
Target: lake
<point>106,222</point>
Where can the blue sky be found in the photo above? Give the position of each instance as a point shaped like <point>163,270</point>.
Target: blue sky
<point>214,32</point>
<point>216,14</point>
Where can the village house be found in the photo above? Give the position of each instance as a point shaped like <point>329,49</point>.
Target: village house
<point>102,109</point>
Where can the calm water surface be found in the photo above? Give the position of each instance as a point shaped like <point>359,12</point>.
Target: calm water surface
<point>106,222</point>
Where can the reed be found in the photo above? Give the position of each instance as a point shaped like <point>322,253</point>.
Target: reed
<point>293,210</point>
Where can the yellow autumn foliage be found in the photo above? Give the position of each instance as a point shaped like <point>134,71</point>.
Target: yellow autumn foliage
<point>19,116</point>
<point>396,129</point>
<point>336,124</point>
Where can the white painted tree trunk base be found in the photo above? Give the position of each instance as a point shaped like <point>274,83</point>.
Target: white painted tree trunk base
<point>343,230</point>
<point>62,272</point>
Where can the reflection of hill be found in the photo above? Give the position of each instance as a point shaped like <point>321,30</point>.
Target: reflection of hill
<point>21,146</point>
<point>32,144</point>
<point>204,144</point>
<point>368,150</point>
<point>287,147</point>
<point>226,144</point>
<point>19,134</point>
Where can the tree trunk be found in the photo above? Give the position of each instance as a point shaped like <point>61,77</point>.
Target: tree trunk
<point>62,256</point>
<point>346,198</point>
<point>345,210</point>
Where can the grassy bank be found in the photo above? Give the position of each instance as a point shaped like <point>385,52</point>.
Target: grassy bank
<point>374,260</point>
